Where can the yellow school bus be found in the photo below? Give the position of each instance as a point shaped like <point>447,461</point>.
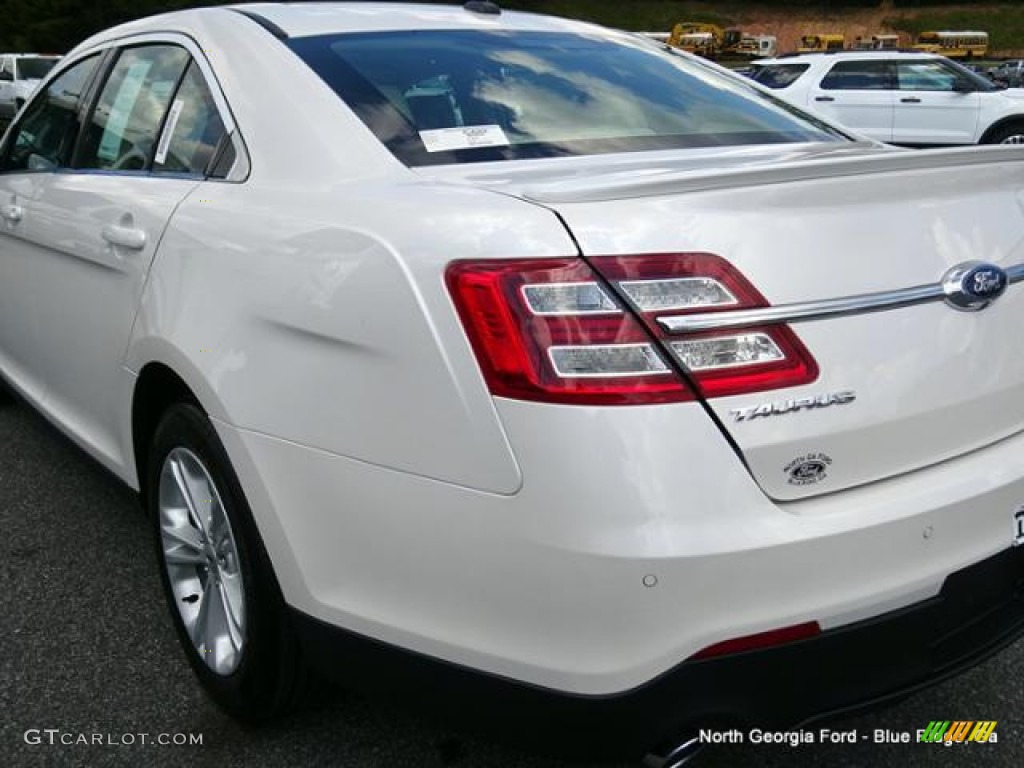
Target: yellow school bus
<point>965,44</point>
<point>816,43</point>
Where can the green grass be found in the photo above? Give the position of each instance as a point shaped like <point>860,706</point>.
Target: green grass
<point>1005,26</point>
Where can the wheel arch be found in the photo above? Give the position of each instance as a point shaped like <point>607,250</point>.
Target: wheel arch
<point>156,389</point>
<point>164,373</point>
<point>167,374</point>
<point>1017,119</point>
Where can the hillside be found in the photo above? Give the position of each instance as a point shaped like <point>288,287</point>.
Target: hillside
<point>1003,21</point>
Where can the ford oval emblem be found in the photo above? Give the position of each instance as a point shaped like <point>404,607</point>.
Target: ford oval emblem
<point>808,469</point>
<point>973,285</point>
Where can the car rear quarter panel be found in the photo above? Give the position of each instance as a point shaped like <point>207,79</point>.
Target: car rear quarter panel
<point>324,319</point>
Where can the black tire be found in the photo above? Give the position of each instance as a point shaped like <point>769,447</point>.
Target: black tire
<point>1010,133</point>
<point>270,677</point>
<point>1011,130</point>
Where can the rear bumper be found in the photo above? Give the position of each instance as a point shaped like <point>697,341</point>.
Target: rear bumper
<point>979,610</point>
<point>637,540</point>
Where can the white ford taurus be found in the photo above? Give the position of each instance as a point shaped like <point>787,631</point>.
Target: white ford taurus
<point>466,349</point>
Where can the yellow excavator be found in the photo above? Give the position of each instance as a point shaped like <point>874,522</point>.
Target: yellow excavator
<point>702,39</point>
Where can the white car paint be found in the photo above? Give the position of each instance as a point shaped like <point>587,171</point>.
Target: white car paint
<point>303,302</point>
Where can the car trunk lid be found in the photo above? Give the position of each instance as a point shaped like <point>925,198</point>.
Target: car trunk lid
<point>904,379</point>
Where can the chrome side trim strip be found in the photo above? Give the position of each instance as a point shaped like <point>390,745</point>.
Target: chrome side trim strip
<point>816,310</point>
<point>810,310</point>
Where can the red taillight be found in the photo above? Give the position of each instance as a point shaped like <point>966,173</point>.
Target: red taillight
<point>552,330</point>
<point>760,640</point>
<point>727,362</point>
<point>548,330</point>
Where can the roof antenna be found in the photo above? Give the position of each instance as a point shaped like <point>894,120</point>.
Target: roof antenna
<point>483,6</point>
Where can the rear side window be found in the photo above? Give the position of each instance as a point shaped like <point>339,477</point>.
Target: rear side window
<point>34,67</point>
<point>858,76</point>
<point>193,128</point>
<point>45,137</point>
<point>129,114</point>
<point>469,95</point>
<point>778,75</point>
<point>926,76</point>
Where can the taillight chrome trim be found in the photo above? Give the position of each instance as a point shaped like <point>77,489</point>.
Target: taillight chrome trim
<point>627,287</point>
<point>676,345</point>
<point>654,355</point>
<point>815,310</point>
<point>529,288</point>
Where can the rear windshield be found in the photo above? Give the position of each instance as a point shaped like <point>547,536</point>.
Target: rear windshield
<point>465,96</point>
<point>777,75</point>
<point>34,68</point>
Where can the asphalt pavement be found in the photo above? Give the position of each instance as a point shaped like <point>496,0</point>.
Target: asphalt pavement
<point>91,674</point>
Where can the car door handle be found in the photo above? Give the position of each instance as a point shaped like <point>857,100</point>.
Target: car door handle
<point>823,98</point>
<point>13,213</point>
<point>125,237</point>
<point>911,100</point>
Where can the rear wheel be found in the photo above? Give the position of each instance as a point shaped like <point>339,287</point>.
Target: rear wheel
<point>225,602</point>
<point>1013,133</point>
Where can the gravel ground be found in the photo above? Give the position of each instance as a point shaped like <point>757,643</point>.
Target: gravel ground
<point>87,649</point>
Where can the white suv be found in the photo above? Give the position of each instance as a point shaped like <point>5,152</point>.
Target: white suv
<point>20,73</point>
<point>904,98</point>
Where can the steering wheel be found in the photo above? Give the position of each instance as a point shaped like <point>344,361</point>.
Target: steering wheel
<point>133,160</point>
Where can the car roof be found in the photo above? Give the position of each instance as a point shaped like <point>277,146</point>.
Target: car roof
<point>789,58</point>
<point>308,19</point>
<point>319,18</point>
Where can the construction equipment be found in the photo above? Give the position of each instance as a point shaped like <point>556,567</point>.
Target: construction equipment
<point>757,46</point>
<point>703,39</point>
<point>819,43</point>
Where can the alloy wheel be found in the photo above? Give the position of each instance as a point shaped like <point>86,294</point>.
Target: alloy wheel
<point>201,559</point>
